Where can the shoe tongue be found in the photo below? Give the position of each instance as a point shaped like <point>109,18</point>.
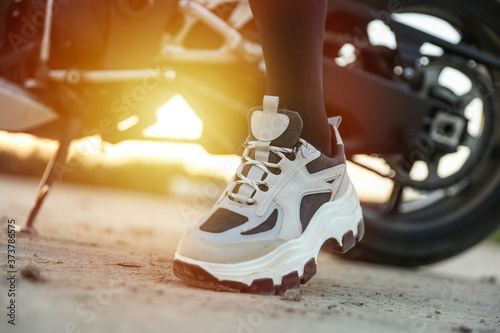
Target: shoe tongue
<point>282,128</point>
<point>268,127</point>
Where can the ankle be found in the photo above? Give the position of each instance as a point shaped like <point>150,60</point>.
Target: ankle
<point>321,141</point>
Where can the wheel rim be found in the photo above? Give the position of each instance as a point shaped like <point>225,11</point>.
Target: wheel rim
<point>464,190</point>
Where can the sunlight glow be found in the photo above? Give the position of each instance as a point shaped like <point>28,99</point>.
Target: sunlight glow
<point>176,120</point>
<point>450,164</point>
<point>127,123</point>
<point>431,25</point>
<point>347,55</point>
<point>455,80</point>
<point>474,113</point>
<point>419,171</point>
<point>193,157</point>
<point>370,187</point>
<point>429,49</point>
<point>380,34</point>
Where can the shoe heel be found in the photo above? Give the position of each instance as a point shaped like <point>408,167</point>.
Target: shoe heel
<point>348,240</point>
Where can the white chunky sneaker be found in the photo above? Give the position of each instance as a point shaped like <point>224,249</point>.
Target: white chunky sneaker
<point>285,200</point>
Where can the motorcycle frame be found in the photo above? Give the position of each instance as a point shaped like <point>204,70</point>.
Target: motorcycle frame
<point>173,52</point>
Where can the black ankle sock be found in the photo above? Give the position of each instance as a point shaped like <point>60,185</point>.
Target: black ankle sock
<point>291,33</point>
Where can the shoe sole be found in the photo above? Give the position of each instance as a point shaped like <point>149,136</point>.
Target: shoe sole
<point>288,266</point>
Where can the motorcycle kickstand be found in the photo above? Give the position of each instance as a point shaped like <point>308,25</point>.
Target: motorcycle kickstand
<point>51,171</point>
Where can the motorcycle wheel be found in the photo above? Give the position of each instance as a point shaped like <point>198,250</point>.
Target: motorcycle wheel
<point>467,210</point>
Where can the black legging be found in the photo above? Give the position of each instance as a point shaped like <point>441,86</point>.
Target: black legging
<point>291,33</point>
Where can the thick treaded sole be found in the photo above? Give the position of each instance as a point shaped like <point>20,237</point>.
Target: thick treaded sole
<point>338,225</point>
<point>196,276</point>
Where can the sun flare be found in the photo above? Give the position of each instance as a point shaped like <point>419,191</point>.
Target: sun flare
<point>177,120</point>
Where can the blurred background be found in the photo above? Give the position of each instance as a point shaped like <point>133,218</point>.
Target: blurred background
<point>177,169</point>
<point>124,203</point>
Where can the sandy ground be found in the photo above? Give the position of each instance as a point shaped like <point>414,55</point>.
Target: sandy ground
<point>104,257</point>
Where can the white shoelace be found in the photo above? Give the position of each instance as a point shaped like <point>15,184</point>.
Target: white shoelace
<point>264,166</point>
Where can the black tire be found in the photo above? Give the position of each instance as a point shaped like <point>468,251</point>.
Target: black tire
<point>456,223</point>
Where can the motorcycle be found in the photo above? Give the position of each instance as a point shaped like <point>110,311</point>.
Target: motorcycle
<point>71,69</point>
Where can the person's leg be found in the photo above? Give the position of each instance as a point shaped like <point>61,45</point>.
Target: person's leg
<point>291,33</point>
<point>286,198</point>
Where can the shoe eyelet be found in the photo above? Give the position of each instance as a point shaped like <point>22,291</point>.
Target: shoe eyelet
<point>263,187</point>
<point>275,171</point>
